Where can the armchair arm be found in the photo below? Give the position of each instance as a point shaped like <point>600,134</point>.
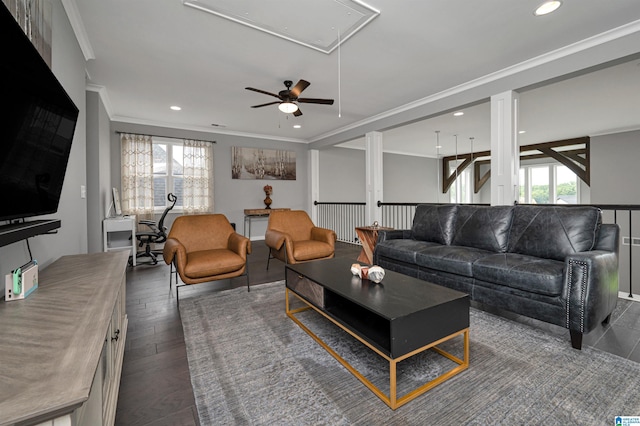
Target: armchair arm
<point>275,239</point>
<point>325,235</point>
<point>396,234</point>
<point>239,244</point>
<point>174,251</point>
<point>590,288</point>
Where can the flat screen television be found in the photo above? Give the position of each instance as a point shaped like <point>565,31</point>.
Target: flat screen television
<point>37,123</point>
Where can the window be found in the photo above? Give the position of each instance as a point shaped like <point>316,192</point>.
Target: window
<point>460,191</point>
<point>548,184</point>
<point>153,167</point>
<point>167,172</point>
<point>566,186</point>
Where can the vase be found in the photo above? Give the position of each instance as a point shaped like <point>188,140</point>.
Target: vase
<point>267,202</point>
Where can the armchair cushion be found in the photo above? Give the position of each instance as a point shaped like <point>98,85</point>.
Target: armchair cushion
<point>206,248</point>
<point>292,237</point>
<point>207,263</point>
<point>308,250</point>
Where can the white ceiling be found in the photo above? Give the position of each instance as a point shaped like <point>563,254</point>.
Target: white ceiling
<point>149,55</point>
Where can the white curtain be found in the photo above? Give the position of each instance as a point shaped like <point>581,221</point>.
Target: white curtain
<point>137,175</point>
<point>197,177</point>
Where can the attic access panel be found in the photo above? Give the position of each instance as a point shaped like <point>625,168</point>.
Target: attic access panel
<point>319,25</point>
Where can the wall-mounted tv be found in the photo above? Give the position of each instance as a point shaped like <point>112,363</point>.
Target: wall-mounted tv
<point>37,123</point>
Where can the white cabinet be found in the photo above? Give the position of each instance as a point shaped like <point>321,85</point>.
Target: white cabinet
<point>119,233</point>
<point>79,309</point>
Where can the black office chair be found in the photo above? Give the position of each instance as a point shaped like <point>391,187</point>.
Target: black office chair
<point>158,233</point>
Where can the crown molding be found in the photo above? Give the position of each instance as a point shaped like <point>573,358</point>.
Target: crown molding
<point>176,126</point>
<point>546,58</point>
<point>71,8</point>
<point>104,96</point>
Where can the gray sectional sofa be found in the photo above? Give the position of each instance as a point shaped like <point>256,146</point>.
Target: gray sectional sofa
<point>555,264</point>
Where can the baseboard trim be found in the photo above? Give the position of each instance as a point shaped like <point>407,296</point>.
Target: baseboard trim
<point>625,295</point>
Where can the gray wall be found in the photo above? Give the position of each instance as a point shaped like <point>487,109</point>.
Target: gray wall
<point>98,170</point>
<point>231,196</point>
<point>68,66</point>
<point>410,179</point>
<point>406,178</point>
<point>342,175</point>
<point>614,168</point>
<point>614,180</point>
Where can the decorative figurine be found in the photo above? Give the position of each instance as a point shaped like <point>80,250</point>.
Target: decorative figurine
<point>267,201</point>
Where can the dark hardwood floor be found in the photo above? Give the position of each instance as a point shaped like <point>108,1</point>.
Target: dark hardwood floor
<point>155,388</point>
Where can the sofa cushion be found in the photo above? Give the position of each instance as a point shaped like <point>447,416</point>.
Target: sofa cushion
<point>402,250</point>
<point>553,232</point>
<point>433,223</point>
<point>528,273</point>
<point>453,259</point>
<point>483,227</point>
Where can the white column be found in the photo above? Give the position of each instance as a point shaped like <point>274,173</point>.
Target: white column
<point>505,149</point>
<point>373,171</point>
<point>314,182</point>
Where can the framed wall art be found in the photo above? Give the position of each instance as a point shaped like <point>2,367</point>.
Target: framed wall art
<point>34,17</point>
<point>257,163</point>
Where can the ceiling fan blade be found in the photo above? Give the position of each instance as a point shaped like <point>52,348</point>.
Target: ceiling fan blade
<point>297,113</point>
<point>316,101</point>
<point>262,91</point>
<point>302,84</point>
<point>269,103</point>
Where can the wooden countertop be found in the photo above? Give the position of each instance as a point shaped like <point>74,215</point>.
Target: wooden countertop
<point>50,342</point>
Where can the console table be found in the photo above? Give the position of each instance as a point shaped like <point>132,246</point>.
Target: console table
<point>62,347</point>
<point>251,214</point>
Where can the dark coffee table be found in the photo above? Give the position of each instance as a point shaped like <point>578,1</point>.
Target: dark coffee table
<point>397,318</point>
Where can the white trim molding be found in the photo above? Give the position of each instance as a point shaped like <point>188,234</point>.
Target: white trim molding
<point>71,8</point>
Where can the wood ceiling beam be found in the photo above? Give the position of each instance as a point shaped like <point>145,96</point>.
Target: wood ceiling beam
<point>577,160</point>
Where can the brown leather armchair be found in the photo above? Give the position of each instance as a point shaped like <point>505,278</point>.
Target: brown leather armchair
<point>293,238</point>
<point>205,248</point>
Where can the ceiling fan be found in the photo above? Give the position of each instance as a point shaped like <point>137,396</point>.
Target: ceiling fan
<point>289,96</point>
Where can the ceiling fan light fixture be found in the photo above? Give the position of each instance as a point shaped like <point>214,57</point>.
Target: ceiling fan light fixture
<point>547,7</point>
<point>288,107</point>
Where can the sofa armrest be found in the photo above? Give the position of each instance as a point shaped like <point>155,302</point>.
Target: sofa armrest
<point>174,251</point>
<point>396,234</point>
<point>239,244</point>
<point>590,288</point>
<point>275,239</point>
<point>325,235</point>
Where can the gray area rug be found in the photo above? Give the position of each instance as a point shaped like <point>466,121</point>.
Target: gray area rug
<point>251,365</point>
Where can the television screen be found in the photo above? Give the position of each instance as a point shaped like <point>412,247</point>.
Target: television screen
<point>37,123</point>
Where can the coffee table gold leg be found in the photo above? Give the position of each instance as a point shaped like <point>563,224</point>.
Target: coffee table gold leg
<point>393,398</point>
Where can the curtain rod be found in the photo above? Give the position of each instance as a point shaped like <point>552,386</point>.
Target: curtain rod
<point>161,136</point>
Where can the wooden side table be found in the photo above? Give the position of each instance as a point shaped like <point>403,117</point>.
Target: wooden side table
<point>368,235</point>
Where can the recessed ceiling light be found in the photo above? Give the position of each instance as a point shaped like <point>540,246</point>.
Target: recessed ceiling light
<point>522,131</point>
<point>175,107</point>
<point>458,113</point>
<point>547,7</point>
<point>297,126</point>
<point>438,146</point>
